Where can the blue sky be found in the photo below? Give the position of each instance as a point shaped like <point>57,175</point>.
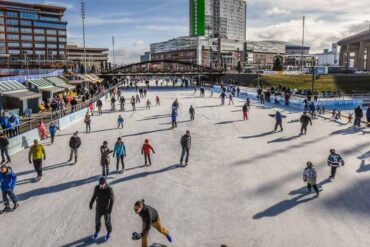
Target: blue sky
<point>137,23</point>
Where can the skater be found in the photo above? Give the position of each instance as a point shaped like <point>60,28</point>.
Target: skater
<point>113,103</point>
<point>157,101</point>
<point>145,91</point>
<point>150,218</point>
<point>120,152</point>
<point>146,151</point>
<point>262,98</point>
<point>137,98</point>
<point>305,119</point>
<point>4,145</point>
<point>88,122</point>
<point>53,130</point>
<point>334,161</point>
<point>245,111</point>
<point>74,144</point>
<point>222,96</point>
<point>174,118</point>
<point>248,103</point>
<point>8,180</point>
<point>195,90</point>
<point>368,115</point>
<point>312,110</point>
<point>104,197</point>
<point>186,145</point>
<point>212,91</point>
<point>192,112</point>
<point>309,176</point>
<point>99,104</point>
<point>91,108</point>
<point>231,99</point>
<point>105,160</point>
<point>148,104</point>
<point>358,116</point>
<point>42,129</point>
<point>133,103</point>
<point>279,120</point>
<point>37,154</point>
<point>122,101</point>
<point>120,121</point>
<point>175,105</point>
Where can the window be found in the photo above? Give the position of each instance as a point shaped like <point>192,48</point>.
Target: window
<point>12,29</point>
<point>11,22</point>
<point>2,45</point>
<point>39,38</point>
<point>61,53</point>
<point>29,15</point>
<point>39,31</point>
<point>2,35</point>
<point>26,37</point>
<point>12,14</point>
<point>52,39</point>
<point>1,13</point>
<point>50,25</point>
<point>13,36</point>
<point>2,28</point>
<point>26,30</point>
<point>26,23</point>
<point>62,32</point>
<point>39,45</point>
<point>28,52</point>
<point>51,32</point>
<point>62,39</point>
<point>1,20</point>
<point>52,46</point>
<point>13,44</point>
<point>27,45</point>
<point>61,46</point>
<point>49,18</point>
<point>40,52</point>
<point>14,52</point>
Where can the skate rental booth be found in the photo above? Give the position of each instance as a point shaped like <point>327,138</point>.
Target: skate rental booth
<point>15,95</point>
<point>46,88</point>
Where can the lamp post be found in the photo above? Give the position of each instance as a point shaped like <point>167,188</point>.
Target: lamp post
<point>303,25</point>
<point>83,15</point>
<point>114,57</point>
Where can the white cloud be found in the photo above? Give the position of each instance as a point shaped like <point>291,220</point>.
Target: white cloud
<point>66,5</point>
<point>138,42</point>
<point>276,12</point>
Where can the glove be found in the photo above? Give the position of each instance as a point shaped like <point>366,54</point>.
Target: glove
<point>44,157</point>
<point>136,236</point>
<point>30,161</point>
<point>91,207</point>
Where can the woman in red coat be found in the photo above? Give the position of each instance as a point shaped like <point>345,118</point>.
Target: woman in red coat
<point>146,151</point>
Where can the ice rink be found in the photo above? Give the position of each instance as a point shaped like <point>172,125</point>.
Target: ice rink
<point>243,186</point>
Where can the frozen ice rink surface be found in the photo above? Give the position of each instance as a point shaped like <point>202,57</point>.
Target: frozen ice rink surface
<point>243,186</point>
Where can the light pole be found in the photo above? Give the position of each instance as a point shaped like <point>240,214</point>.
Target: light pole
<point>83,15</point>
<point>114,58</point>
<point>303,25</point>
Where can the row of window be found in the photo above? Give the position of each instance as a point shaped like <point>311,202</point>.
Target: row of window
<point>28,15</point>
<point>30,45</point>
<point>49,25</point>
<point>30,38</point>
<point>38,52</point>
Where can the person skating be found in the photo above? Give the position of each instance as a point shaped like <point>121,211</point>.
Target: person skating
<point>358,115</point>
<point>113,103</point>
<point>185,145</point>
<point>99,104</point>
<point>174,118</point>
<point>53,128</point>
<point>368,115</point>
<point>223,96</point>
<point>145,150</point>
<point>245,111</point>
<point>105,159</point>
<point>148,104</point>
<point>279,120</point>
<point>133,103</point>
<point>175,105</point>
<point>4,147</point>
<point>150,218</point>
<point>305,120</point>
<point>310,176</point>
<point>87,121</point>
<point>120,121</point>
<point>334,161</point>
<point>120,152</point>
<point>231,101</point>
<point>137,98</point>
<point>248,103</point>
<point>192,112</point>
<point>122,101</point>
<point>157,101</point>
<point>74,144</point>
<point>8,180</point>
<point>104,197</point>
<point>35,155</point>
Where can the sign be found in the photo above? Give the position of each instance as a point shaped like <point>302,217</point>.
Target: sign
<point>198,19</point>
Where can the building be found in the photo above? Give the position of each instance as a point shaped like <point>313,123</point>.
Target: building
<point>146,57</point>
<point>354,51</point>
<point>97,57</point>
<point>262,54</point>
<point>31,35</point>
<point>218,18</point>
<point>328,58</point>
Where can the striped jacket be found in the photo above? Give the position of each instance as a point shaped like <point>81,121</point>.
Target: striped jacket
<point>310,175</point>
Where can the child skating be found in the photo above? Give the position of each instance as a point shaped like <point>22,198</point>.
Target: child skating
<point>310,176</point>
<point>120,121</point>
<point>145,150</point>
<point>148,104</point>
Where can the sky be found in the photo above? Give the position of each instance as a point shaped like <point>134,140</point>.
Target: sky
<point>138,23</point>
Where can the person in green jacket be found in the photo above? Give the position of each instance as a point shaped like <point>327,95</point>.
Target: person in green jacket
<point>35,156</point>
<point>120,152</point>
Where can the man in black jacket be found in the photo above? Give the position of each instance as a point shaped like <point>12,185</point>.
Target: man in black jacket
<point>186,145</point>
<point>150,218</point>
<point>358,115</point>
<point>74,144</point>
<point>305,119</point>
<point>104,197</point>
<point>4,143</point>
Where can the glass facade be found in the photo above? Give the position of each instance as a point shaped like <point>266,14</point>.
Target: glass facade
<point>50,25</point>
<point>11,21</point>
<point>12,14</point>
<point>51,39</point>
<point>27,37</point>
<point>13,36</point>
<point>39,38</point>
<point>39,45</point>
<point>39,31</point>
<point>27,45</point>
<point>26,23</point>
<point>12,30</point>
<point>26,30</point>
<point>29,15</point>
<point>13,44</point>
<point>51,32</point>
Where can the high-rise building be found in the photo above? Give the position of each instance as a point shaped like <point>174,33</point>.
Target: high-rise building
<point>218,18</point>
<point>31,35</point>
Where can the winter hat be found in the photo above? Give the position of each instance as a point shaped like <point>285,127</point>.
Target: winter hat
<point>102,181</point>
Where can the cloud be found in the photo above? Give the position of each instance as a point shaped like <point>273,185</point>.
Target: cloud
<point>276,12</point>
<point>127,55</point>
<point>69,6</point>
<point>138,42</point>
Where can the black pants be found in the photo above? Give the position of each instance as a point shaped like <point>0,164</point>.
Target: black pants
<point>147,158</point>
<point>107,221</point>
<point>174,123</point>
<point>357,121</point>
<point>11,196</point>
<point>120,158</point>
<point>304,128</point>
<point>120,124</point>
<point>333,171</point>
<point>279,123</point>
<point>192,116</point>
<point>314,186</point>
<point>4,152</point>
<point>52,136</point>
<point>368,120</point>
<point>75,152</point>
<point>105,170</point>
<point>185,151</point>
<point>37,164</point>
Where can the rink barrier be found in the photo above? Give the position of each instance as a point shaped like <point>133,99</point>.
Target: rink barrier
<point>23,141</point>
<point>72,118</point>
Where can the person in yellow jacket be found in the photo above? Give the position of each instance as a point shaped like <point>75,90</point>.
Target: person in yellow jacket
<point>37,153</point>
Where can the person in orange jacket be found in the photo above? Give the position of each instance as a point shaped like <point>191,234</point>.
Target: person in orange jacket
<point>146,151</point>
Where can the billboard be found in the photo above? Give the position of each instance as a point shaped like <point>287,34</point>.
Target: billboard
<point>198,22</point>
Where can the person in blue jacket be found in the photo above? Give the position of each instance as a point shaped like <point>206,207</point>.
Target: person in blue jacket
<point>8,180</point>
<point>52,130</point>
<point>120,152</point>
<point>174,117</point>
<point>368,115</point>
<point>279,120</point>
<point>4,120</point>
<point>120,121</point>
<point>13,125</point>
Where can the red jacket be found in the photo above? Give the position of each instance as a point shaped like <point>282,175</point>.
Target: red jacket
<point>146,148</point>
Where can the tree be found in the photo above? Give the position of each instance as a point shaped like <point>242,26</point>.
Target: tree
<point>239,67</point>
<point>278,64</point>
<point>82,69</point>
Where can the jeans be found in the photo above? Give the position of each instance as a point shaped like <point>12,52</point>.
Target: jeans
<point>279,123</point>
<point>314,186</point>
<point>333,171</point>
<point>147,158</point>
<point>357,121</point>
<point>120,124</point>
<point>11,196</point>
<point>192,116</point>
<point>185,151</point>
<point>304,129</point>
<point>75,152</point>
<point>4,152</point>
<point>37,164</point>
<point>105,170</point>
<point>107,221</point>
<point>120,158</point>
<point>88,127</point>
